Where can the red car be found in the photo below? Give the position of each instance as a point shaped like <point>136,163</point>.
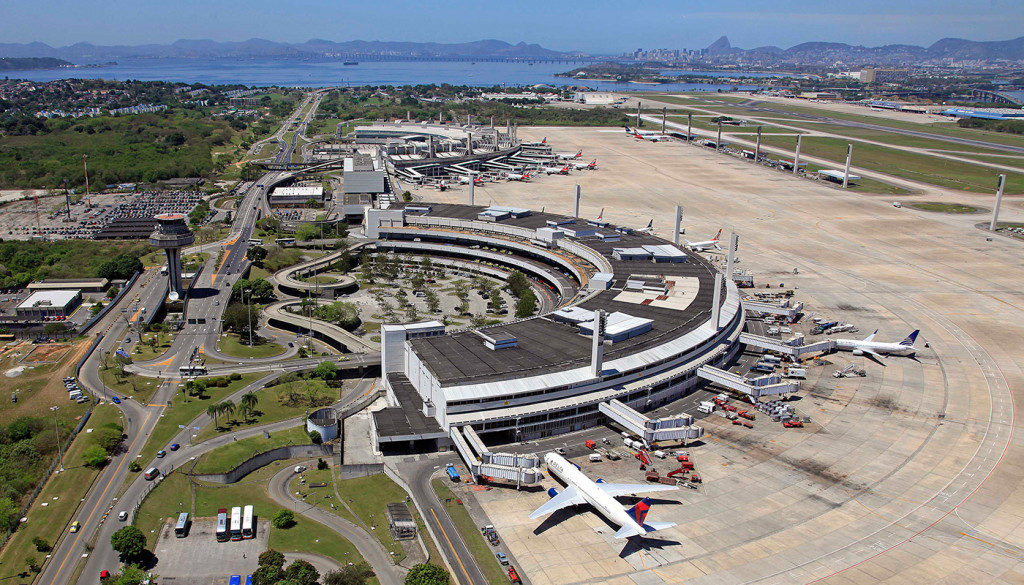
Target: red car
<point>104,574</point>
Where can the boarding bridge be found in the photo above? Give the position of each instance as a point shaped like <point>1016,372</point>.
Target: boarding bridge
<point>674,428</point>
<point>755,388</point>
<point>783,347</point>
<point>783,309</point>
<point>522,468</point>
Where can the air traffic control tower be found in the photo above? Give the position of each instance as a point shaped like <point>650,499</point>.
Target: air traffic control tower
<point>172,234</point>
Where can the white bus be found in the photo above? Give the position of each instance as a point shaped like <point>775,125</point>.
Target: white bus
<point>222,525</point>
<point>181,528</point>
<point>285,241</point>
<point>187,371</point>
<point>236,523</point>
<point>247,527</point>
<point>255,242</point>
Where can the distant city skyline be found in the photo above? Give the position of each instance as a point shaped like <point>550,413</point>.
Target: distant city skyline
<point>594,27</point>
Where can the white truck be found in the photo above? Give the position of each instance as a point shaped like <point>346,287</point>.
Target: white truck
<point>800,373</point>
<point>706,407</point>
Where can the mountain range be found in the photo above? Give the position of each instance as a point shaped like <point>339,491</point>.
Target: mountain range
<point>823,52</point>
<point>87,52</point>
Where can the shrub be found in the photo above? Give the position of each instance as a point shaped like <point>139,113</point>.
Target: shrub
<point>321,464</point>
<point>41,544</point>
<point>315,437</point>
<point>283,519</point>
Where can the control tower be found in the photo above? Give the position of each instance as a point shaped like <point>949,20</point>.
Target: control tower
<point>172,234</point>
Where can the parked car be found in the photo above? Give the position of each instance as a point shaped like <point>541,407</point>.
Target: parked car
<point>501,558</point>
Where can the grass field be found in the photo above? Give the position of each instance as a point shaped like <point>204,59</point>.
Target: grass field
<point>275,404</point>
<point>143,352</point>
<point>944,207</point>
<point>482,551</point>
<point>917,167</point>
<point>226,458</point>
<point>231,345</point>
<point>140,388</point>
<point>181,411</point>
<point>368,497</point>
<point>305,535</point>
<point>49,522</point>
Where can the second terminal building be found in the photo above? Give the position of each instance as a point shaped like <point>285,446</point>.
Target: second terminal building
<point>666,312</point>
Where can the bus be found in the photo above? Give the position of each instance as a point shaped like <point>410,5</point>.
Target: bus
<point>190,371</point>
<point>181,528</point>
<point>285,241</point>
<point>222,525</point>
<point>255,242</point>
<point>247,527</point>
<point>236,523</point>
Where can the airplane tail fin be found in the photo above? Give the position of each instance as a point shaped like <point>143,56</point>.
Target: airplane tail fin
<point>545,141</point>
<point>650,224</point>
<point>718,235</point>
<point>600,215</point>
<point>910,339</point>
<point>639,512</point>
<point>626,126</point>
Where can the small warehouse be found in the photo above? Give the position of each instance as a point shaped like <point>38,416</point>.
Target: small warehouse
<point>400,521</point>
<point>49,303</point>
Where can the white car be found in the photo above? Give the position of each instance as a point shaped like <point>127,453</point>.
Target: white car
<point>897,204</point>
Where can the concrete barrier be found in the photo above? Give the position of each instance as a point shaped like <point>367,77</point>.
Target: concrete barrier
<point>267,457</point>
<point>359,470</point>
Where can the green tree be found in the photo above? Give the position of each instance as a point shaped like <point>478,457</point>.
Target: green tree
<point>120,266</point>
<point>283,519</point>
<point>94,456</point>
<point>213,411</point>
<point>526,306</point>
<point>41,544</point>
<point>256,255</point>
<point>315,437</point>
<point>326,371</point>
<point>8,515</point>
<point>517,283</point>
<point>426,575</point>
<point>129,575</point>
<point>271,558</point>
<point>302,572</point>
<point>267,575</point>
<point>227,408</point>
<point>248,403</point>
<point>237,318</point>
<point>107,438</point>
<point>433,301</point>
<point>121,362</point>
<point>356,574</point>
<point>112,292</point>
<point>494,303</point>
<point>130,543</point>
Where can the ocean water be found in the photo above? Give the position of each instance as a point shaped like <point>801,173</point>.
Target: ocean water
<point>299,73</point>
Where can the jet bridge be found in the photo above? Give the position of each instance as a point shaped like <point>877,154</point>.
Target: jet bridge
<point>675,428</point>
<point>522,468</point>
<point>783,308</point>
<point>785,347</point>
<point>755,388</point>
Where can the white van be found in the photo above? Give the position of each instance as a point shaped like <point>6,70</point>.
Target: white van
<point>595,457</point>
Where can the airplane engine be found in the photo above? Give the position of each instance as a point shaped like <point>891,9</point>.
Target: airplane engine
<point>858,352</point>
<point>552,492</point>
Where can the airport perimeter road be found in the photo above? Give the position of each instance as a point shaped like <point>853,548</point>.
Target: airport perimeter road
<point>447,537</point>
<point>368,546</point>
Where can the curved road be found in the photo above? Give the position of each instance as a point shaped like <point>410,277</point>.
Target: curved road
<point>368,546</point>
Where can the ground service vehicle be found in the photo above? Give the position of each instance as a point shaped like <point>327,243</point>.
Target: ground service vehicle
<point>222,525</point>
<point>513,576</point>
<point>236,523</point>
<point>453,473</point>
<point>181,528</point>
<point>248,528</point>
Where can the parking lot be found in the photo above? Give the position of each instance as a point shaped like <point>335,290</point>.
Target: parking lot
<point>199,559</point>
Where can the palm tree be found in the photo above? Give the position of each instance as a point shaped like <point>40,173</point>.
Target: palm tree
<point>248,403</point>
<point>213,410</point>
<point>227,407</point>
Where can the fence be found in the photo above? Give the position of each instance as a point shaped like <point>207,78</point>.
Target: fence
<point>261,459</point>
<point>145,494</point>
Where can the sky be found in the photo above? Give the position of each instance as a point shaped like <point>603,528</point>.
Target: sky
<point>594,26</point>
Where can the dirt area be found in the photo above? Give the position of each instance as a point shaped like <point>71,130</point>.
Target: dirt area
<point>47,353</point>
<point>38,387</point>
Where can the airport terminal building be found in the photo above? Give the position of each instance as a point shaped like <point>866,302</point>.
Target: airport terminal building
<point>659,311</point>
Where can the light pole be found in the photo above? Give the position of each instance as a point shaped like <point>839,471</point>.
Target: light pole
<point>249,313</point>
<point>56,427</point>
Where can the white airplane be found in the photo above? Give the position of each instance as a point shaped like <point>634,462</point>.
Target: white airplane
<point>465,179</point>
<point>647,230</point>
<point>517,176</point>
<point>580,489</point>
<point>568,156</point>
<point>706,245</point>
<point>651,137</point>
<point>556,170</point>
<point>646,134</point>
<point>592,165</point>
<point>878,348</point>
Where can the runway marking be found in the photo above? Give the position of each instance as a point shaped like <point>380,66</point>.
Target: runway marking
<point>213,277</point>
<point>464,571</point>
<point>102,498</point>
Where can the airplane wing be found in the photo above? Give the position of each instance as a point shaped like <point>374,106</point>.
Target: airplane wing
<point>565,498</point>
<point>629,531</point>
<point>872,352</point>
<point>625,489</point>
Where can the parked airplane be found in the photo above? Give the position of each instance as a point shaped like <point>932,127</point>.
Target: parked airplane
<point>517,176</point>
<point>644,134</point>
<point>465,179</point>
<point>580,489</point>
<point>592,165</point>
<point>568,156</point>
<point>706,245</point>
<point>556,170</point>
<point>647,230</point>
<point>541,143</point>
<point>651,137</point>
<point>878,348</point>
